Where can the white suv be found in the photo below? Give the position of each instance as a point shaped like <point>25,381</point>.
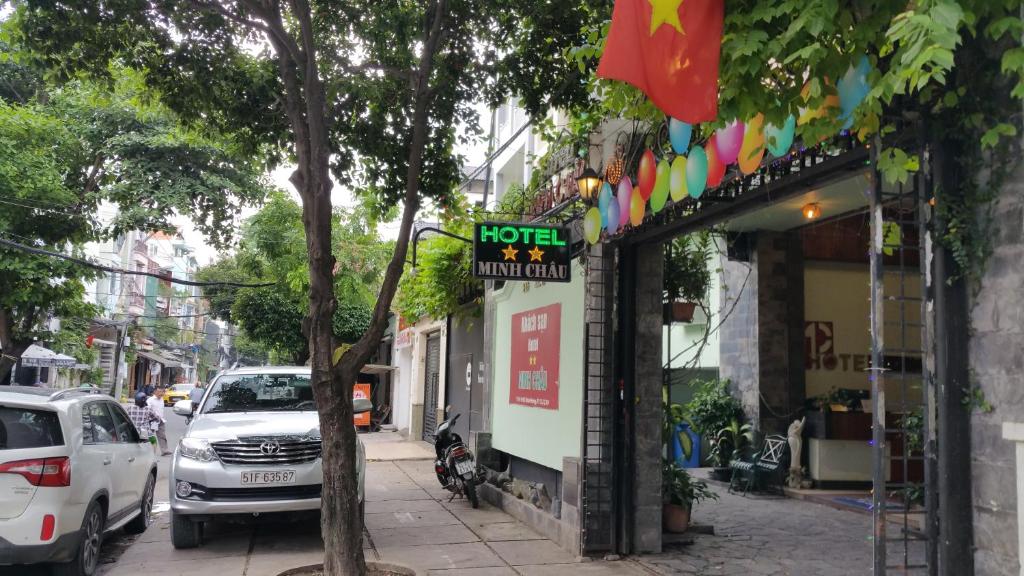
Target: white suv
<point>253,447</point>
<point>72,468</point>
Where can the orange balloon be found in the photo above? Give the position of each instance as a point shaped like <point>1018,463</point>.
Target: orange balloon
<point>806,115</point>
<point>716,169</point>
<point>752,149</point>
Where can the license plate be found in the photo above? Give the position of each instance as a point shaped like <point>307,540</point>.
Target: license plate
<point>464,467</point>
<point>265,477</point>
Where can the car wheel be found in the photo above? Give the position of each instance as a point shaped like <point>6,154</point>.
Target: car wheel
<point>139,524</point>
<point>184,532</point>
<point>88,554</point>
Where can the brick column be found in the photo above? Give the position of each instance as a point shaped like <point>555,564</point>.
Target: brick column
<point>649,412</point>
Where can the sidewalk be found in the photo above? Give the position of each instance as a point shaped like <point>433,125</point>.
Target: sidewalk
<point>390,445</point>
<point>408,521</point>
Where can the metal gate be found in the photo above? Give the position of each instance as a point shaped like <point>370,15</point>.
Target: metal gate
<point>902,386</point>
<point>431,385</point>
<point>598,474</point>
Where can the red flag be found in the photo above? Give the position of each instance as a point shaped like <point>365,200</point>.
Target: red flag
<point>670,50</point>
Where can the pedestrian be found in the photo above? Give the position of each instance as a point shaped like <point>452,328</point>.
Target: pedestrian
<point>146,421</point>
<point>196,396</point>
<point>156,402</point>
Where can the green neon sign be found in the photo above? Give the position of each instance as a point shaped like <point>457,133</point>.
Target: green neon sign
<point>521,234</point>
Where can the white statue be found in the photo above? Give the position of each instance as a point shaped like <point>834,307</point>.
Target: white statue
<point>796,441</point>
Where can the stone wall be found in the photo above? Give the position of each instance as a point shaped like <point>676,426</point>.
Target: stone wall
<point>997,363</point>
<point>649,413</point>
<point>738,334</point>
<point>761,342</point>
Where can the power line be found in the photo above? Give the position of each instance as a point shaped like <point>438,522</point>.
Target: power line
<point>87,263</point>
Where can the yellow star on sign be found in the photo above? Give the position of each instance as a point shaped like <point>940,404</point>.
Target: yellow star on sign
<point>510,253</point>
<point>536,254</point>
<point>665,12</point>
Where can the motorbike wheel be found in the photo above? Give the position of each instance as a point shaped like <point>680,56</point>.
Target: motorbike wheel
<point>469,488</point>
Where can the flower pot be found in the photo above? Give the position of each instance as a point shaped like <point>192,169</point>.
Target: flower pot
<point>679,311</point>
<point>675,518</point>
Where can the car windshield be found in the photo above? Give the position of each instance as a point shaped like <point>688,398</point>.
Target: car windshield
<point>181,387</point>
<point>260,393</point>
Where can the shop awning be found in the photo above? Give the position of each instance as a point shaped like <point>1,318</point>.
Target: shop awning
<point>166,362</point>
<point>376,369</point>
<point>38,357</point>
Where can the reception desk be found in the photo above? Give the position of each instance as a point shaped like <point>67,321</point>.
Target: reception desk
<point>841,460</point>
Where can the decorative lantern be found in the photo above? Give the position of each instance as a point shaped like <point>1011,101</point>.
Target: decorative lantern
<point>616,165</point>
<point>588,183</point>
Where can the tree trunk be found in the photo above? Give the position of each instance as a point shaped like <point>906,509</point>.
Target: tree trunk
<point>10,348</point>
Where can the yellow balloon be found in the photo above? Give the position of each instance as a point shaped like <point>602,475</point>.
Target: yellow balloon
<point>637,206</point>
<point>592,225</point>
<point>677,179</point>
<point>752,149</point>
<point>806,114</point>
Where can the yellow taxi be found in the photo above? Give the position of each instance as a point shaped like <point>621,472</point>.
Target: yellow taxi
<point>176,393</point>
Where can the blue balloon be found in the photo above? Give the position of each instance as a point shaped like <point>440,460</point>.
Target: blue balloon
<point>604,200</point>
<point>778,140</point>
<point>679,133</point>
<point>612,226</point>
<point>853,88</point>
<point>696,172</point>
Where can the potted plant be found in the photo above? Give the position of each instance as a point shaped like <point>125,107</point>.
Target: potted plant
<point>711,409</point>
<point>728,445</point>
<point>681,491</point>
<point>686,276</point>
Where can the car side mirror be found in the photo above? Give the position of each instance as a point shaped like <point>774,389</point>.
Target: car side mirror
<point>183,408</point>
<point>361,405</point>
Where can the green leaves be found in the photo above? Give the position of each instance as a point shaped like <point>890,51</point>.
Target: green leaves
<point>896,165</point>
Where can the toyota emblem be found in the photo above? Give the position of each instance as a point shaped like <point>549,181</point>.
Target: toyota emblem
<point>270,447</point>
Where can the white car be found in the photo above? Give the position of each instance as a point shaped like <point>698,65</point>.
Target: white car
<point>253,447</point>
<point>72,468</point>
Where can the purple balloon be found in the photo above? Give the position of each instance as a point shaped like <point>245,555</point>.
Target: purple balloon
<point>624,195</point>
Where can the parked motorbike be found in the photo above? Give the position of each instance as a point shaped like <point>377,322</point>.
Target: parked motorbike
<point>455,467</point>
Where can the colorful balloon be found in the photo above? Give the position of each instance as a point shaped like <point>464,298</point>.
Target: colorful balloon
<point>677,179</point>
<point>728,141</point>
<point>646,175</point>
<point>696,172</point>
<point>752,149</point>
<point>660,194</point>
<point>807,114</point>
<point>679,133</point>
<point>592,225</point>
<point>604,200</point>
<point>613,218</point>
<point>636,210</point>
<point>778,139</point>
<point>853,88</point>
<point>716,168</point>
<point>624,196</point>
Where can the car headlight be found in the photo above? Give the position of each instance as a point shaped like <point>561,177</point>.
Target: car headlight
<point>196,449</point>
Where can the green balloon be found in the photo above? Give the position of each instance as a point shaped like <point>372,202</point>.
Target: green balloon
<point>660,194</point>
<point>592,225</point>
<point>696,171</point>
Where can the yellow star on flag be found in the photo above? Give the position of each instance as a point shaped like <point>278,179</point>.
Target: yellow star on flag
<point>536,254</point>
<point>665,12</point>
<point>510,253</point>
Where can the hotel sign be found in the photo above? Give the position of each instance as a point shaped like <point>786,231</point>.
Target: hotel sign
<point>513,251</point>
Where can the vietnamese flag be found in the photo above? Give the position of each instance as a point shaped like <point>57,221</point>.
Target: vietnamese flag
<point>670,50</point>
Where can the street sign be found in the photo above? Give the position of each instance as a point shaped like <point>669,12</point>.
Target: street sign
<point>514,251</point>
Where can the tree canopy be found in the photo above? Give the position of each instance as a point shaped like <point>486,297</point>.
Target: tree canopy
<point>64,151</point>
<point>272,248</point>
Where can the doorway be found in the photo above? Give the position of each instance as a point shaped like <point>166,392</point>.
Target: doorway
<point>431,385</point>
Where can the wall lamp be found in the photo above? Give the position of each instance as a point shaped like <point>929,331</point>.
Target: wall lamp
<point>588,183</point>
<point>811,211</point>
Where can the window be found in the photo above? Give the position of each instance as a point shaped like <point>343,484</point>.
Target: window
<point>122,424</point>
<point>97,425</point>
<point>24,428</point>
<point>260,393</point>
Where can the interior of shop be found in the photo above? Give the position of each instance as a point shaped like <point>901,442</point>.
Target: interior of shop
<point>791,326</point>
